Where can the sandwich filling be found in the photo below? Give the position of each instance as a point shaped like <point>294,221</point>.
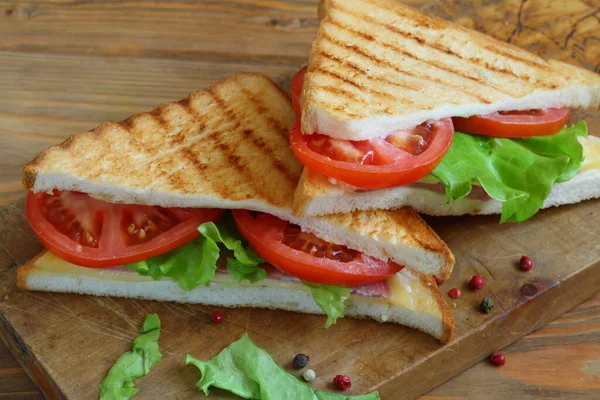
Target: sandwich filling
<point>195,247</point>
<point>514,157</point>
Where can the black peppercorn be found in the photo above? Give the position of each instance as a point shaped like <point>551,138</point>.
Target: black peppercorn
<point>300,361</point>
<point>486,305</point>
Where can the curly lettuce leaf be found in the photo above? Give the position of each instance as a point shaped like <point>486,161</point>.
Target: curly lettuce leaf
<point>247,370</point>
<point>518,172</point>
<point>246,263</point>
<point>331,299</point>
<point>191,265</point>
<point>227,234</point>
<point>195,263</point>
<point>240,271</point>
<point>118,384</point>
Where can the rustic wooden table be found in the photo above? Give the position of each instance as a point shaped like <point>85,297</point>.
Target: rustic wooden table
<point>65,66</point>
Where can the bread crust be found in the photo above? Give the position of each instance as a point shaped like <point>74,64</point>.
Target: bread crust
<point>372,60</point>
<point>446,312</point>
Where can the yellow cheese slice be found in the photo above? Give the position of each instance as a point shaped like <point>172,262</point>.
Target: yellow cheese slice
<point>591,152</point>
<point>405,289</point>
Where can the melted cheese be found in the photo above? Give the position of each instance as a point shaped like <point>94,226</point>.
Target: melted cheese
<point>405,289</point>
<point>408,291</point>
<point>591,152</point>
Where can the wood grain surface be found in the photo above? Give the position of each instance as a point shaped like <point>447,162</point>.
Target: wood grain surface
<point>560,361</point>
<point>66,66</point>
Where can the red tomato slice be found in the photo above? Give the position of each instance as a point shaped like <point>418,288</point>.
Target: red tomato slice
<point>93,233</point>
<point>401,158</point>
<point>307,257</point>
<point>515,124</point>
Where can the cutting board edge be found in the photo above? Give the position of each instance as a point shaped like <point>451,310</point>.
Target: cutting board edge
<point>28,361</point>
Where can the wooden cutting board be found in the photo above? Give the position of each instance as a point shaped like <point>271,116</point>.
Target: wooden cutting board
<point>67,343</point>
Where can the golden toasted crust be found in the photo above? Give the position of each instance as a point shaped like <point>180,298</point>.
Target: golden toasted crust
<point>24,270</point>
<point>445,310</point>
<point>197,145</point>
<point>310,186</point>
<point>376,58</point>
<point>403,225</point>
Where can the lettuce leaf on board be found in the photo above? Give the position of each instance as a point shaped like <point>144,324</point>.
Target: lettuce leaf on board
<point>118,384</point>
<point>247,370</point>
<point>518,172</point>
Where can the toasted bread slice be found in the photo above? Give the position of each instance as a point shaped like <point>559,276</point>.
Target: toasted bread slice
<point>318,195</point>
<point>413,300</point>
<point>378,65</point>
<point>226,147</point>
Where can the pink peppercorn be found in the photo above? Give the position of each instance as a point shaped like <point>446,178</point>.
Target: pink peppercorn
<point>342,382</point>
<point>217,317</point>
<point>525,263</point>
<point>476,282</point>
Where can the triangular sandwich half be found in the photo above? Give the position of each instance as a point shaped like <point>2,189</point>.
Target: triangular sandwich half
<point>413,110</point>
<point>222,148</point>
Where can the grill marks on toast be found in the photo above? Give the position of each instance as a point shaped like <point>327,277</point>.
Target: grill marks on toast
<point>440,24</point>
<point>370,57</point>
<point>263,111</point>
<point>350,81</point>
<point>434,23</point>
<point>384,52</point>
<point>229,148</point>
<point>229,142</point>
<point>257,143</point>
<point>437,64</point>
<point>355,67</point>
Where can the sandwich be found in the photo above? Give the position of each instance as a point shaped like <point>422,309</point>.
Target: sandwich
<point>192,202</point>
<point>400,108</point>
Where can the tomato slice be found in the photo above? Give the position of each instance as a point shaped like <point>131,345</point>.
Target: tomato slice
<point>515,124</point>
<point>94,233</point>
<point>307,257</point>
<point>403,157</point>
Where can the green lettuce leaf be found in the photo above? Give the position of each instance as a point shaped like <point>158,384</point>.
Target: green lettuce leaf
<point>247,370</point>
<point>246,263</point>
<point>191,265</point>
<point>240,271</point>
<point>518,172</point>
<point>331,299</point>
<point>118,384</point>
<point>195,263</point>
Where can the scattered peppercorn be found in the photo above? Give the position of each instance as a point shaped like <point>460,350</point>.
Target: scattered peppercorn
<point>438,281</point>
<point>309,375</point>
<point>498,359</point>
<point>342,382</point>
<point>217,317</point>
<point>300,361</point>
<point>487,305</point>
<point>454,293</point>
<point>525,263</point>
<point>476,282</point>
